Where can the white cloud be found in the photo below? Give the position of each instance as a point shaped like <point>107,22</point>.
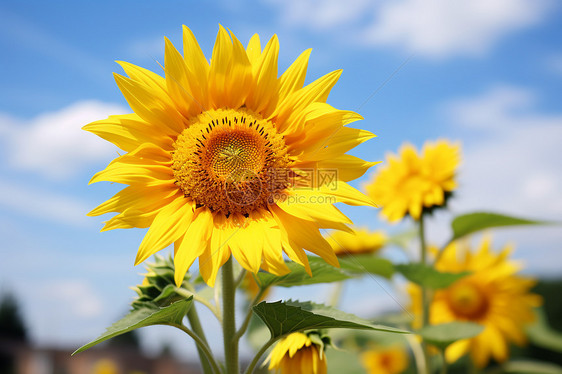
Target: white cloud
<point>36,202</point>
<point>512,162</point>
<point>429,28</point>
<point>53,144</point>
<point>322,15</point>
<point>516,164</point>
<point>439,28</point>
<point>75,297</point>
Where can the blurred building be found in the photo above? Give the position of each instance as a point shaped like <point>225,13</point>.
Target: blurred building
<point>105,360</point>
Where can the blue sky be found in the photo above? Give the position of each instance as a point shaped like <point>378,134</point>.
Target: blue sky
<point>488,74</point>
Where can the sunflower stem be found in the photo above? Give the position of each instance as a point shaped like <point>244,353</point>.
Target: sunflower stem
<point>201,344</point>
<point>195,324</point>
<point>425,291</point>
<point>229,320</point>
<point>248,317</point>
<point>444,360</point>
<point>258,355</point>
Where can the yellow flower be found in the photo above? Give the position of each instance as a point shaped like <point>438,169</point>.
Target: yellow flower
<point>252,288</point>
<point>105,366</point>
<point>409,182</point>
<point>493,296</point>
<point>297,354</point>
<point>390,360</point>
<point>356,242</point>
<point>226,158</point>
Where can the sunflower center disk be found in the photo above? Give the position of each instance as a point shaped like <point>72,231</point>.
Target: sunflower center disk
<point>231,161</point>
<point>468,300</point>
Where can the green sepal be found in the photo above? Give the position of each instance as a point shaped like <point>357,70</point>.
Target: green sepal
<point>321,339</point>
<point>161,287</point>
<point>444,334</point>
<point>145,315</point>
<point>427,276</point>
<point>283,318</point>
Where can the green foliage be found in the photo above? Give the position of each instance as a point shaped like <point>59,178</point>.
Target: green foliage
<point>146,315</point>
<point>363,264</point>
<point>444,334</point>
<point>344,361</point>
<point>322,272</point>
<point>529,367</point>
<point>542,335</point>
<point>473,222</point>
<point>283,318</point>
<point>427,276</point>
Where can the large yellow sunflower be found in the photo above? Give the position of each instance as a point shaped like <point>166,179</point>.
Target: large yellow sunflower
<point>228,158</point>
<point>297,354</point>
<point>493,296</point>
<point>411,182</point>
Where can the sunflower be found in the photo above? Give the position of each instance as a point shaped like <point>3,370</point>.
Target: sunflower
<point>357,241</point>
<point>228,158</point>
<point>493,295</point>
<point>297,354</point>
<point>385,360</point>
<point>411,182</point>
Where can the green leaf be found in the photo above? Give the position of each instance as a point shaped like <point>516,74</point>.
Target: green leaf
<point>530,367</point>
<point>363,264</point>
<point>470,223</point>
<point>322,272</point>
<point>541,334</point>
<point>282,318</point>
<point>447,333</point>
<point>148,315</point>
<point>427,276</point>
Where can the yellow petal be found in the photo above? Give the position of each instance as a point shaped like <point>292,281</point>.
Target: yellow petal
<point>140,198</point>
<point>178,81</point>
<point>293,78</point>
<point>299,100</point>
<point>305,234</point>
<point>316,126</point>
<point>198,68</point>
<point>342,141</point>
<point>129,131</point>
<point>217,253</point>
<point>149,105</point>
<point>241,81</point>
<point>311,211</point>
<point>264,97</point>
<point>221,61</point>
<point>150,175</point>
<point>341,192</point>
<point>254,49</point>
<point>145,76</point>
<point>193,243</point>
<point>168,225</point>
